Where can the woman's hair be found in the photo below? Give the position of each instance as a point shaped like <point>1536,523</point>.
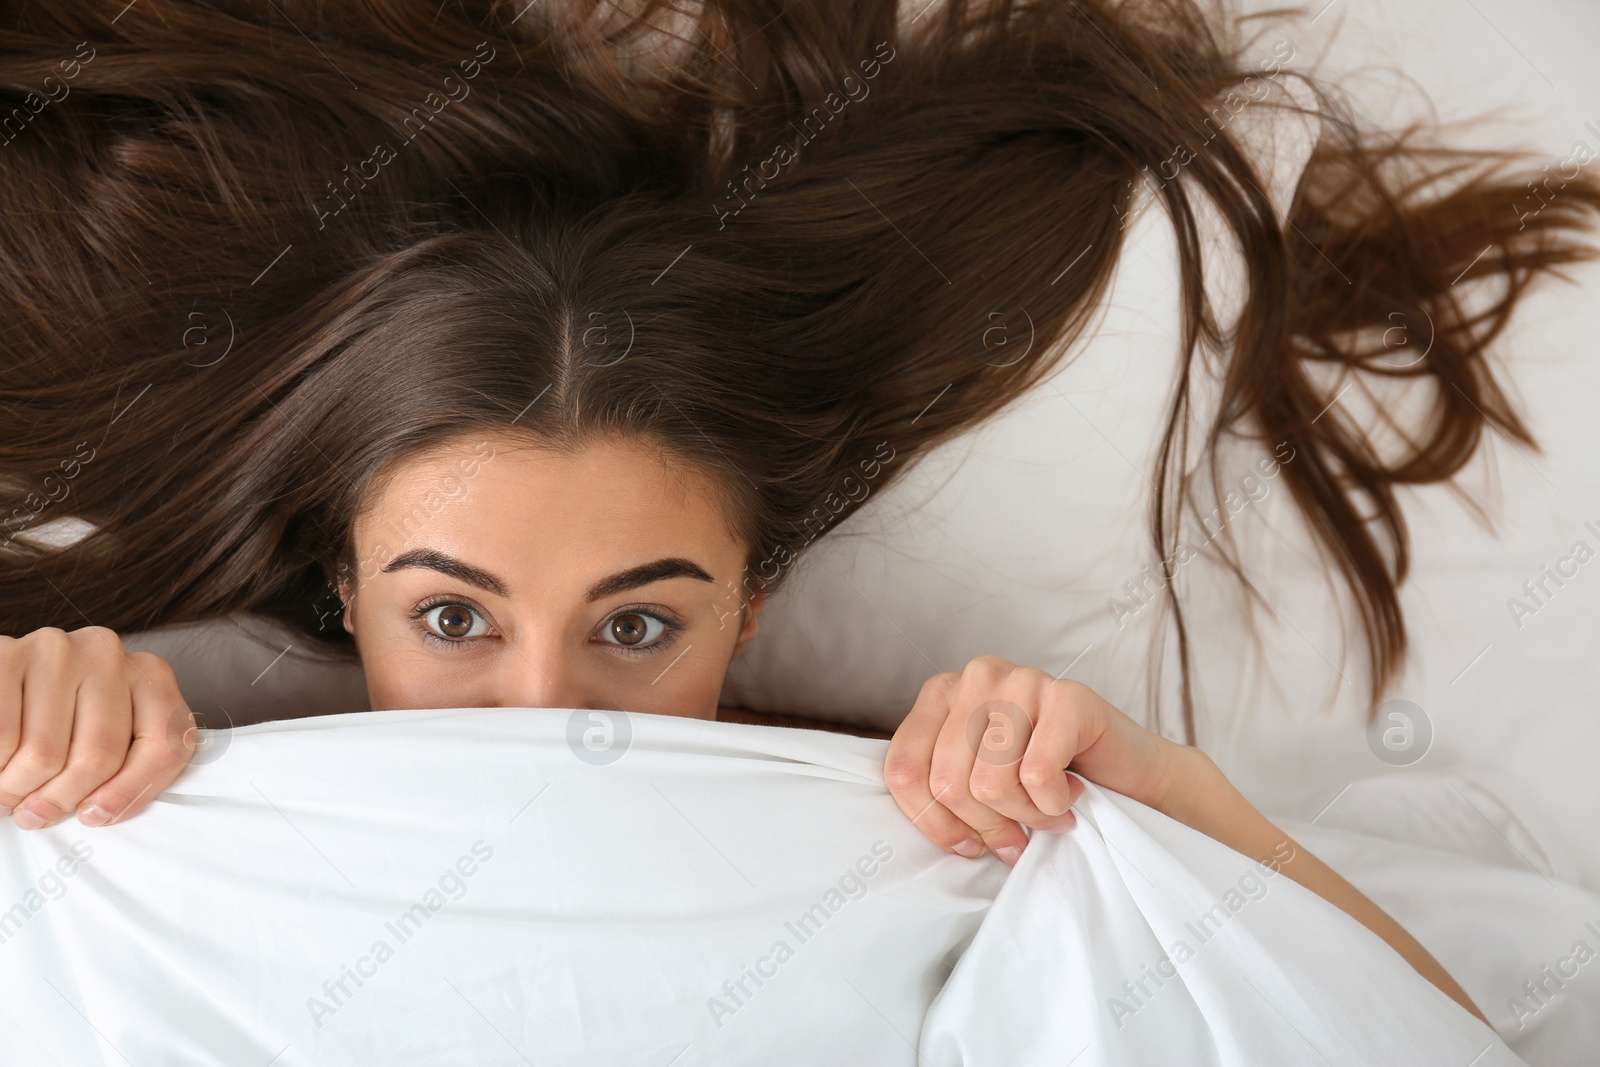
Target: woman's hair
<point>253,256</point>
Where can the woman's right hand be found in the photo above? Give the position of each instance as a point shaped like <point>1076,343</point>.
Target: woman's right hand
<point>86,727</point>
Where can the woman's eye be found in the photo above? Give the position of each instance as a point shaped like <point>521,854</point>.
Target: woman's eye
<point>455,622</point>
<point>636,630</point>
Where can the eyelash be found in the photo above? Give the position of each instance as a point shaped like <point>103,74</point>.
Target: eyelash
<point>673,626</point>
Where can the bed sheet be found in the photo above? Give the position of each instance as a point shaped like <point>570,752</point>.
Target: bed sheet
<point>503,886</point>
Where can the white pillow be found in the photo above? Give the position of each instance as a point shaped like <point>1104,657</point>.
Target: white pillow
<point>247,669</point>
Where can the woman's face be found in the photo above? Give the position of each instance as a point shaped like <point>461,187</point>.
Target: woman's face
<point>495,573</point>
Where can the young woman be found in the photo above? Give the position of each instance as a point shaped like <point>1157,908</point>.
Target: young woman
<point>521,354</point>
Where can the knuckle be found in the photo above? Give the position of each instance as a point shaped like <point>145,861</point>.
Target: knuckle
<point>152,666</point>
<point>97,635</point>
<point>945,785</point>
<point>938,684</point>
<point>1036,774</point>
<point>987,786</point>
<point>48,644</point>
<point>902,773</point>
<point>40,756</point>
<point>985,793</point>
<point>1028,678</point>
<point>99,758</point>
<point>990,665</point>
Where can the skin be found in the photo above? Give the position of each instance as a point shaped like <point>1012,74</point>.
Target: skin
<point>86,726</point>
<point>503,572</point>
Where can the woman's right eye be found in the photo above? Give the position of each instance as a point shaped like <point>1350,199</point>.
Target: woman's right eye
<point>454,622</point>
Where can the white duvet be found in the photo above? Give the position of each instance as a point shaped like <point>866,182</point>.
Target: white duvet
<point>509,886</point>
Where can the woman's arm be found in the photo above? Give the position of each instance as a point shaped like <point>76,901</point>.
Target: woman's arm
<point>1196,793</point>
<point>984,751</point>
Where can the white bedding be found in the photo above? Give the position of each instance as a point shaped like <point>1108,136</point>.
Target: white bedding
<point>508,886</point>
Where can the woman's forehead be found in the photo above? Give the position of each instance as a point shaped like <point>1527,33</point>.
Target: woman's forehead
<point>501,503</point>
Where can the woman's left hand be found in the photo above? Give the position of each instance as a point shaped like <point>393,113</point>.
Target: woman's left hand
<point>985,751</point>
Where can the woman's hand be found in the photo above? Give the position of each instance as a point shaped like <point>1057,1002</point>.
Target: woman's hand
<point>80,719</point>
<point>984,751</point>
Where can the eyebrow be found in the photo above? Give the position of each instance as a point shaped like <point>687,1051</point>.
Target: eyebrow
<point>644,574</point>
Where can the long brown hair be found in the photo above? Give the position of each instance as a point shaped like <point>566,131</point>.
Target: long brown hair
<point>251,257</point>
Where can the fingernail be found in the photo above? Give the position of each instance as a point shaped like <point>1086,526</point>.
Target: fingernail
<point>1009,855</point>
<point>27,820</point>
<point>970,849</point>
<point>4,811</point>
<point>92,816</point>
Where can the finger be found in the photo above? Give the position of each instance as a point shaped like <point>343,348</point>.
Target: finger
<point>907,763</point>
<point>163,741</point>
<point>950,777</point>
<point>999,732</point>
<point>102,723</point>
<point>1020,742</point>
<point>1058,737</point>
<point>1067,819</point>
<point>48,689</point>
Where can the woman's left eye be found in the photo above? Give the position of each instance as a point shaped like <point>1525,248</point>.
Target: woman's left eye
<point>638,631</point>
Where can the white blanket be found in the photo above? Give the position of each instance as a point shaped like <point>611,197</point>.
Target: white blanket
<point>508,886</point>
